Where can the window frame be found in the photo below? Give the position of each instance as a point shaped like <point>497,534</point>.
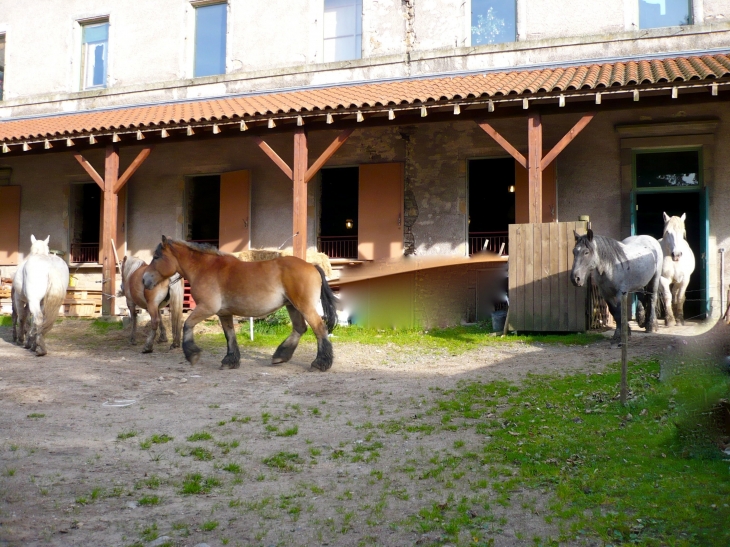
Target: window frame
<point>669,149</point>
<point>83,61</point>
<point>690,15</point>
<point>356,36</point>
<point>202,4</point>
<point>468,26</point>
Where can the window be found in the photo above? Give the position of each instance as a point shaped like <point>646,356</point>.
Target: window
<point>2,64</point>
<point>664,13</point>
<point>493,21</point>
<point>94,55</point>
<point>210,40</point>
<point>676,169</point>
<point>342,30</point>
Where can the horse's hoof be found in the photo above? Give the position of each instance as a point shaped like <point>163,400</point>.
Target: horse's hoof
<point>321,365</point>
<point>277,360</point>
<point>173,345</point>
<point>162,340</point>
<point>40,352</point>
<point>132,343</point>
<point>193,358</point>
<point>147,350</point>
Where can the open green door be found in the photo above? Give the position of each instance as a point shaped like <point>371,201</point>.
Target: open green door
<point>703,260</point>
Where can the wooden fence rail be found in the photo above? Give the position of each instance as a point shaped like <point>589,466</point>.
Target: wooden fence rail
<point>541,296</point>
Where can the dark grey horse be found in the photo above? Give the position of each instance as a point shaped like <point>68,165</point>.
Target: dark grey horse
<point>631,265</point>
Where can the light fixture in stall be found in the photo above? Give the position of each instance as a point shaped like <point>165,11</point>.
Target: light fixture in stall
<point>511,188</point>
<point>349,224</point>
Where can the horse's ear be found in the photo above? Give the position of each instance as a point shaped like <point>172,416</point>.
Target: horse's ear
<point>666,217</point>
<point>590,234</point>
<point>47,239</point>
<point>683,217</point>
<point>577,236</point>
<point>164,240</point>
<point>32,238</point>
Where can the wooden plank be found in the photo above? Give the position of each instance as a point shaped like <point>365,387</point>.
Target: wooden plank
<point>534,171</point>
<point>564,276</point>
<point>327,154</point>
<point>10,224</point>
<point>514,286</point>
<point>529,276</point>
<point>300,194</point>
<point>96,177</point>
<point>572,295</point>
<point>520,281</point>
<point>138,161</point>
<point>274,156</point>
<point>537,277</point>
<point>109,230</point>
<point>554,241</point>
<point>545,275</point>
<point>567,139</point>
<point>501,141</point>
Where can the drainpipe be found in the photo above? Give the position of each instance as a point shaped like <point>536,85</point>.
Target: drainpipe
<point>722,279</point>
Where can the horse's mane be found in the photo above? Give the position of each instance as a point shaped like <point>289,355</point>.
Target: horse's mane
<point>204,248</point>
<point>609,250</point>
<point>131,265</point>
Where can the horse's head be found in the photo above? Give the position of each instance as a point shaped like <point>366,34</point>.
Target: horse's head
<point>163,265</point>
<point>585,258</point>
<point>674,234</point>
<point>39,246</point>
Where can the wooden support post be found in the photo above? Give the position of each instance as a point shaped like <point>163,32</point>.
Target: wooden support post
<point>534,168</point>
<point>624,345</point>
<point>300,193</point>
<point>109,230</point>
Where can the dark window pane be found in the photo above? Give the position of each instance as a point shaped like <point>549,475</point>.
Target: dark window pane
<point>664,13</point>
<point>493,21</point>
<point>672,169</point>
<point>210,40</point>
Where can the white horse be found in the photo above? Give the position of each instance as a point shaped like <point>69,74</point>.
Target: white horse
<point>39,287</point>
<point>677,267</point>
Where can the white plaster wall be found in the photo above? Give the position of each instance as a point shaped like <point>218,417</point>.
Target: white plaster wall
<point>383,28</point>
<point>550,19</point>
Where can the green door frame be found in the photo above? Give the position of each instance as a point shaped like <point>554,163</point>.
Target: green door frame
<point>703,259</point>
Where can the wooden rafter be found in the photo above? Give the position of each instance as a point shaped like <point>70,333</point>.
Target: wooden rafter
<point>566,140</point>
<point>90,170</point>
<point>511,150</point>
<point>138,161</point>
<point>273,155</point>
<point>327,154</point>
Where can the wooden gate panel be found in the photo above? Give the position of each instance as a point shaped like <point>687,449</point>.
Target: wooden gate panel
<point>542,298</point>
<point>9,224</point>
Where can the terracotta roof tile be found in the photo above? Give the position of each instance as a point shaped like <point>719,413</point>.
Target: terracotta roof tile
<point>381,95</point>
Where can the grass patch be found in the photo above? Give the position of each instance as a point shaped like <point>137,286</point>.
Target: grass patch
<point>201,454</point>
<point>284,461</point>
<point>289,432</point>
<point>149,500</point>
<point>200,436</point>
<point>155,439</point>
<point>194,483</point>
<point>36,415</point>
<point>6,321</point>
<point>126,435</point>
<point>209,526</point>
<point>643,475</point>
<point>102,327</point>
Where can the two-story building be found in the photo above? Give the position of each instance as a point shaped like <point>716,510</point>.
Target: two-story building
<point>364,128</point>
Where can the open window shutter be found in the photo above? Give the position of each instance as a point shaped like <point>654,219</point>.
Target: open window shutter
<point>234,233</point>
<point>380,211</point>
<point>9,225</point>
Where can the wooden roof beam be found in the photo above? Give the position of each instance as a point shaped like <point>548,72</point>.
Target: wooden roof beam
<point>138,161</point>
<point>566,140</point>
<point>327,154</point>
<point>511,150</point>
<point>90,170</point>
<point>273,156</point>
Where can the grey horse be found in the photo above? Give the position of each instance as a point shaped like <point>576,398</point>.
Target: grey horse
<point>631,265</point>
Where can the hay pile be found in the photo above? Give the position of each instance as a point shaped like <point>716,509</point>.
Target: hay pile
<point>313,257</point>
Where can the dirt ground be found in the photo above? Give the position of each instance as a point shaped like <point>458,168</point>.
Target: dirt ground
<point>67,477</point>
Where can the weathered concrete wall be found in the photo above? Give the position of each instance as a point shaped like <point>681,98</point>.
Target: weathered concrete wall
<point>279,44</point>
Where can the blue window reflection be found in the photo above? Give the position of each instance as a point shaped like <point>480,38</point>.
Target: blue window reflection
<point>664,13</point>
<point>210,40</point>
<point>493,21</point>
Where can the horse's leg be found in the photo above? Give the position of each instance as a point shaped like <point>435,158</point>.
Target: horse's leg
<point>233,357</point>
<point>162,338</point>
<point>133,319</point>
<point>190,349</point>
<point>653,288</point>
<point>325,356</point>
<point>286,349</point>
<point>154,323</point>
<point>35,340</point>
<point>681,296</point>
<point>616,314</point>
<point>22,322</point>
<point>666,294</point>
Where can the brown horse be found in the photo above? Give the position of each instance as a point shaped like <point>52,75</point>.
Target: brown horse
<point>168,291</point>
<point>225,286</point>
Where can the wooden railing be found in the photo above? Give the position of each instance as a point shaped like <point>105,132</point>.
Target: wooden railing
<point>338,246</point>
<point>488,241</point>
<point>84,252</point>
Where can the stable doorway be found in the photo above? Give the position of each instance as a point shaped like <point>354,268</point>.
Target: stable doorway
<point>670,182</point>
<point>491,204</point>
<point>338,218</point>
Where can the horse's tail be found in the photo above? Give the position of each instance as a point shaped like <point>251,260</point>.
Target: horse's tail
<point>53,299</point>
<point>329,302</point>
<point>176,309</point>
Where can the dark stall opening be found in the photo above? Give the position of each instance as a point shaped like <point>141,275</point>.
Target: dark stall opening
<point>86,221</point>
<point>339,208</point>
<point>650,221</point>
<point>203,209</point>
<point>491,203</point>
